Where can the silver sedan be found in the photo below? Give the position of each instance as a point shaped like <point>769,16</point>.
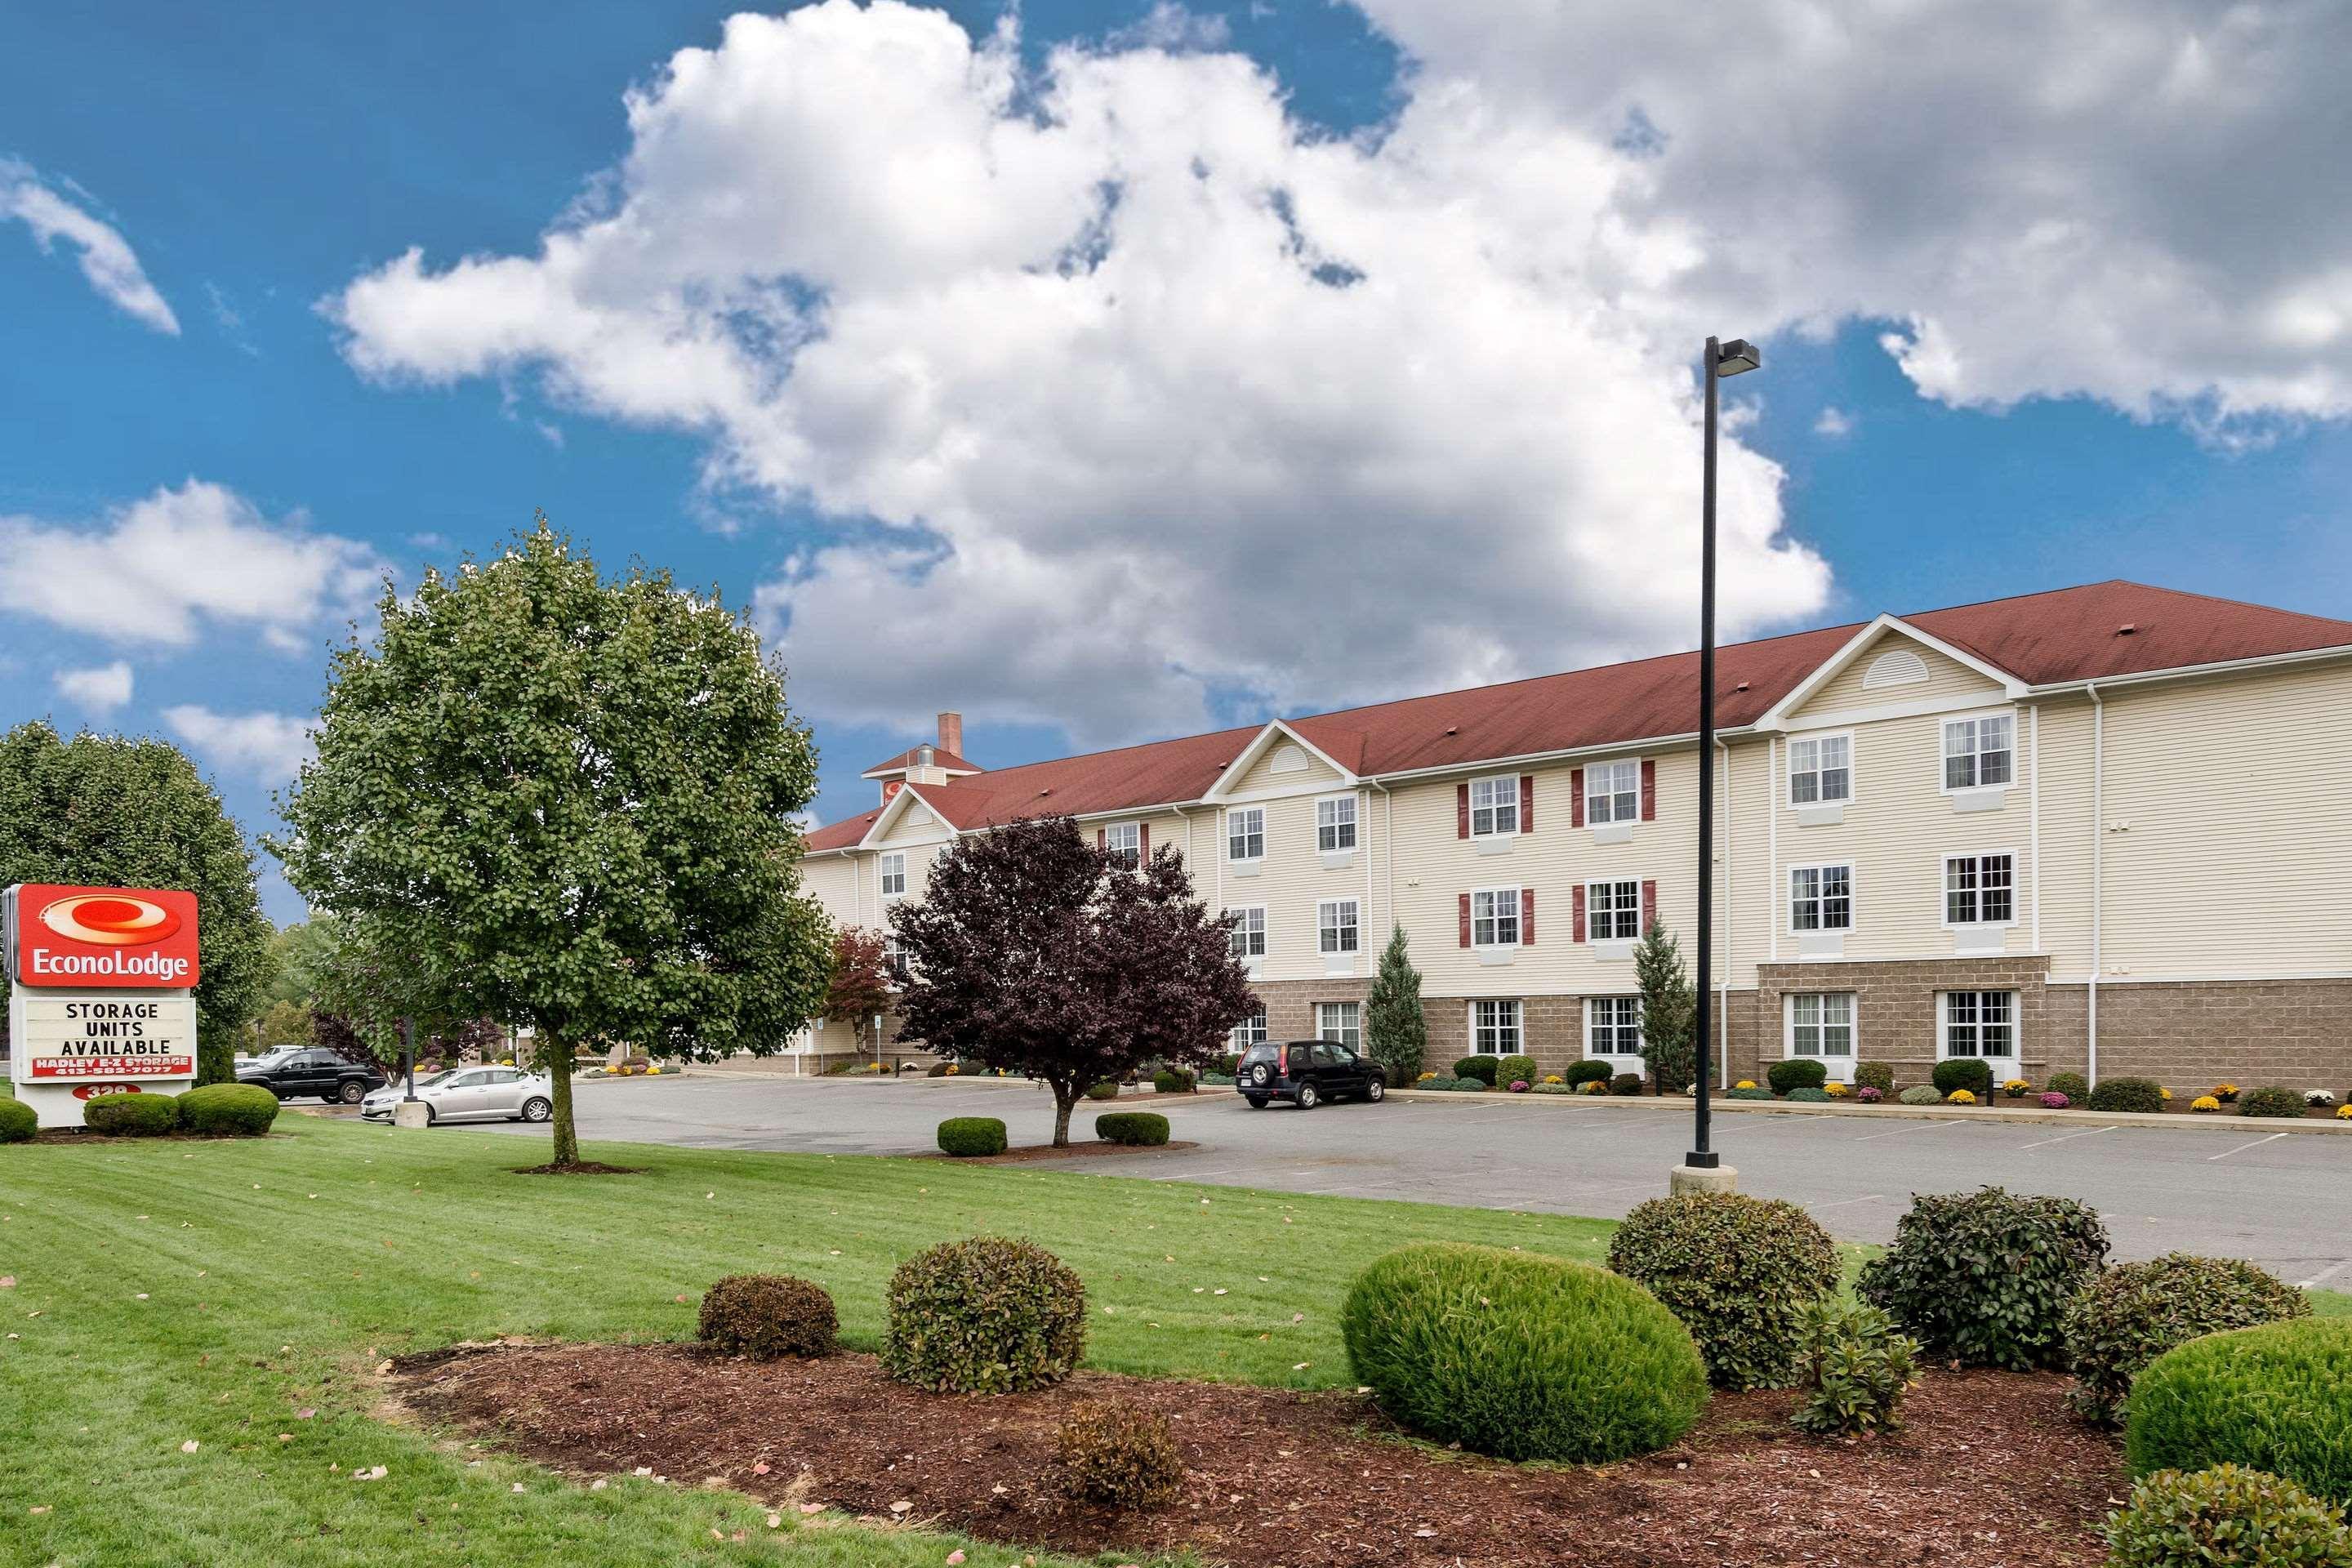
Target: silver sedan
<point>471,1094</point>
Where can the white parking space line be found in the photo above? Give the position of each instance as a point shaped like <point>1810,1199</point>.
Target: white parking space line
<point>2085,1133</point>
<point>1906,1127</point>
<point>2243,1147</point>
<point>2330,1272</point>
<point>1872,1198</point>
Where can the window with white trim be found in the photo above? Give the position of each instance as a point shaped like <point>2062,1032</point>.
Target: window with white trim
<point>1980,889</point>
<point>1495,917</point>
<point>1979,752</point>
<point>894,959</point>
<point>1979,1023</point>
<point>1494,806</point>
<point>1335,925</point>
<point>1613,1026</point>
<point>1821,898</point>
<point>1820,1024</point>
<point>1335,823</point>
<point>1250,1031</point>
<point>1820,770</point>
<point>1612,911</point>
<point>1124,840</point>
<point>1248,933</point>
<point>1341,1022</point>
<point>894,876</point>
<point>1245,832</point>
<point>1612,792</point>
<point>1495,1028</point>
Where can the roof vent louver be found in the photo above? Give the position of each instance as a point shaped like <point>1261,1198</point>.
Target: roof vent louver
<point>1895,667</point>
<point>2126,629</point>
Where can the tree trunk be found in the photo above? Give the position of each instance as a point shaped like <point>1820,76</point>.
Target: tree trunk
<point>556,1058</point>
<point>1066,1095</point>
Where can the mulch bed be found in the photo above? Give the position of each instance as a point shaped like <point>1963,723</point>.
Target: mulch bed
<point>83,1138</point>
<point>1992,1471</point>
<point>1028,1152</point>
<point>579,1168</point>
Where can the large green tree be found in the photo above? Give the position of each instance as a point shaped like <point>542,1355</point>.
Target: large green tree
<point>568,801</point>
<point>1669,1011</point>
<point>107,811</point>
<point>1395,1030</point>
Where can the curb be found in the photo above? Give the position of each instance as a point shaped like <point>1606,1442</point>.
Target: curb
<point>2035,1116</point>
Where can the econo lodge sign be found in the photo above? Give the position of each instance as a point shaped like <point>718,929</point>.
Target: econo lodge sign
<point>101,995</point>
<point>99,938</point>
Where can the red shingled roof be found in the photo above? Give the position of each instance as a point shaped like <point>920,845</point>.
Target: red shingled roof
<point>2070,634</point>
<point>940,759</point>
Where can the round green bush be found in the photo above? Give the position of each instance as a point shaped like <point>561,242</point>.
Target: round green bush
<point>1748,1094</point>
<point>1441,1081</point>
<point>1521,1356</point>
<point>1879,1076</point>
<point>2277,1397</point>
<point>2271,1101</point>
<point>1985,1278</point>
<point>767,1315</point>
<point>972,1137</point>
<point>1172,1080</point>
<point>2129,1094</point>
<point>231,1110</point>
<point>130,1115</point>
<point>2073,1085</point>
<point>1796,1072</point>
<point>988,1315</point>
<point>18,1121</point>
<point>1516,1069</point>
<point>1106,1089</point>
<point>1480,1068</point>
<point>1737,1271</point>
<point>1471,1086</point>
<point>1920,1094</point>
<point>1804,1096</point>
<point>1143,1129</point>
<point>2227,1515</point>
<point>1625,1083</point>
<point>1964,1072</point>
<point>1119,1456</point>
<point>1586,1071</point>
<point>2135,1312</point>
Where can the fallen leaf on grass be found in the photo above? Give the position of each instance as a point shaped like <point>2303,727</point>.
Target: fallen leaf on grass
<point>761,1468</point>
<point>812,1508</point>
<point>7,1281</point>
<point>902,1506</point>
<point>775,1522</point>
<point>189,1446</point>
<point>956,1556</point>
<point>597,1485</point>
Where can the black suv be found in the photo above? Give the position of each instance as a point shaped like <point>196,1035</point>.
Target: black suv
<point>294,1072</point>
<point>1306,1073</point>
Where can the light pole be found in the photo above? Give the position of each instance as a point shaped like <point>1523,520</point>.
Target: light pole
<point>1703,1170</point>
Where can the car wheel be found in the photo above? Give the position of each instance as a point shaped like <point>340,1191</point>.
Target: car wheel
<point>1376,1091</point>
<point>353,1093</point>
<point>1308,1098</point>
<point>537,1110</point>
<point>1256,1102</point>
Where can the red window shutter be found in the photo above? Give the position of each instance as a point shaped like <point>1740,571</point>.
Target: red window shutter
<point>1576,912</point>
<point>1465,919</point>
<point>1527,917</point>
<point>1143,840</point>
<point>1462,812</point>
<point>1102,839</point>
<point>1575,801</point>
<point>1649,904</point>
<point>1649,790</point>
<point>1527,802</point>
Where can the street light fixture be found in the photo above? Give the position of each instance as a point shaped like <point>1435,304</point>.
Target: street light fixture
<point>1723,359</point>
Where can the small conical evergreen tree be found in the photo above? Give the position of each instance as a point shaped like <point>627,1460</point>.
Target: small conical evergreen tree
<point>1669,1011</point>
<point>1394,1028</point>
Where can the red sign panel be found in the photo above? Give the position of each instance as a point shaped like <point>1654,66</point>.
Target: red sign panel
<point>95,937</point>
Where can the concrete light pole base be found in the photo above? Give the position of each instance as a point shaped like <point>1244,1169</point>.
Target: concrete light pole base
<point>415,1113</point>
<point>1686,1179</point>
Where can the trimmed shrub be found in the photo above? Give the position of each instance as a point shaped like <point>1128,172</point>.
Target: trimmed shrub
<point>1985,1278</point>
<point>1879,1076</point>
<point>1920,1094</point>
<point>1471,1086</point>
<point>1853,1369</point>
<point>1141,1129</point>
<point>939,1069</point>
<point>229,1109</point>
<point>1521,1356</point>
<point>2127,1094</point>
<point>2135,1312</point>
<point>19,1121</point>
<point>1437,1083</point>
<point>1516,1069</point>
<point>1796,1072</point>
<point>767,1315</point>
<point>131,1115</point>
<point>1963,1073</point>
<point>1737,1271</point>
<point>2073,1085</point>
<point>972,1137</point>
<point>2053,1100</point>
<point>1480,1068</point>
<point>1172,1080</point>
<point>1230,1064</point>
<point>1586,1071</point>
<point>1751,1092</point>
<point>2226,1515</point>
<point>987,1315</point>
<point>1106,1089</point>
<point>1810,1096</point>
<point>1625,1083</point>
<point>1117,1456</point>
<point>2278,1397</point>
<point>1551,1088</point>
<point>2271,1101</point>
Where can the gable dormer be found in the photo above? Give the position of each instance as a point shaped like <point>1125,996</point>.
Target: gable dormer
<point>1890,666</point>
<point>932,762</point>
<point>1279,761</point>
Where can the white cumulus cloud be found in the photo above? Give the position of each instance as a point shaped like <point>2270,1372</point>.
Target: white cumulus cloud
<point>101,689</point>
<point>268,748</point>
<point>158,570</point>
<point>107,262</point>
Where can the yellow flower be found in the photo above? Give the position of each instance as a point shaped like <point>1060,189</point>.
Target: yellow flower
<point>1425,1078</point>
<point>2344,1112</point>
<point>1745,1083</point>
<point>1552,1078</point>
<point>2166,1092</point>
<point>1593,1086</point>
<point>652,1071</point>
<point>2222,1088</point>
<point>1836,1090</point>
<point>1959,1097</point>
<point>2204,1102</point>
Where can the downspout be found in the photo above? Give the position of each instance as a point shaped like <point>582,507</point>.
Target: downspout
<point>2098,833</point>
<point>1730,924</point>
<point>1388,849</point>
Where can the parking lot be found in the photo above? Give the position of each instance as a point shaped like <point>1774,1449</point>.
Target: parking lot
<point>2282,1199</point>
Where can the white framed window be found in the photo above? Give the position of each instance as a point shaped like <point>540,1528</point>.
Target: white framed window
<point>1335,925</point>
<point>1495,917</point>
<point>894,875</point>
<point>1250,1031</point>
<point>1820,1024</point>
<point>1612,792</point>
<point>1495,1028</point>
<point>894,958</point>
<point>1820,770</point>
<point>1821,898</point>
<point>1335,823</point>
<point>1980,889</point>
<point>1978,1024</point>
<point>1245,832</point>
<point>1613,1026</point>
<point>1341,1022</point>
<point>1494,806</point>
<point>1248,933</point>
<point>1979,753</point>
<point>1612,911</point>
<point>1124,840</point>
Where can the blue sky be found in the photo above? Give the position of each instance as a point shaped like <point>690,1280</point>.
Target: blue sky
<point>261,162</point>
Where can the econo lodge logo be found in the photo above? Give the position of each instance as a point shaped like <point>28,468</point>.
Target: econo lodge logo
<point>105,936</point>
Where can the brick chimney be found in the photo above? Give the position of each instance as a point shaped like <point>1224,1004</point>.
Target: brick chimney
<point>951,735</point>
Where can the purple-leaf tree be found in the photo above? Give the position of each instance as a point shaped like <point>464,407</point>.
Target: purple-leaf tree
<point>1036,952</point>
<point>857,988</point>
